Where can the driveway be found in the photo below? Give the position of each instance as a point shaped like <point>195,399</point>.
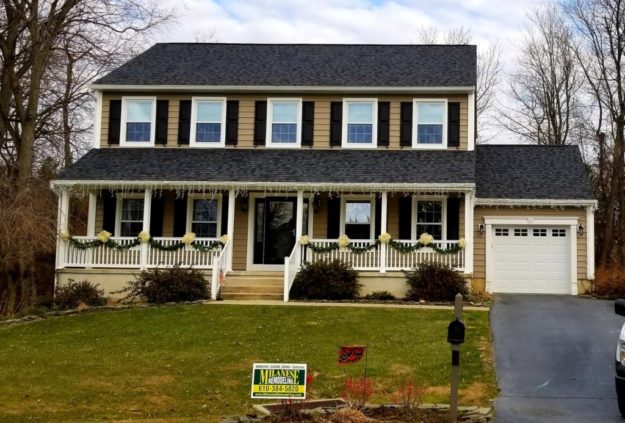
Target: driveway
<point>554,357</point>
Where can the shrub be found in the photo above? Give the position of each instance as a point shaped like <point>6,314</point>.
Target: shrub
<point>73,294</point>
<point>609,282</point>
<point>435,282</point>
<point>409,395</point>
<point>168,285</point>
<point>380,296</point>
<point>358,392</point>
<point>326,281</point>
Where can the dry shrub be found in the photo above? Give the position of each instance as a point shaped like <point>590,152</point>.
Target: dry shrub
<point>409,395</point>
<point>609,282</point>
<point>358,392</point>
<point>349,415</point>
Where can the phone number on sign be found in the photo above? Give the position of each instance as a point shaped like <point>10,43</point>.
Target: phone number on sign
<point>277,388</point>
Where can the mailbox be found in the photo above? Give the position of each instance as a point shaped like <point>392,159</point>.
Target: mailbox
<point>455,332</point>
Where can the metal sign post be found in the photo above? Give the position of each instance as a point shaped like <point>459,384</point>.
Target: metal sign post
<point>455,336</point>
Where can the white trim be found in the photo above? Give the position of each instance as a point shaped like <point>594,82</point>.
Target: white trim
<point>93,199</point>
<point>415,202</point>
<point>189,217</point>
<point>222,134</point>
<point>374,123</point>
<point>534,202</point>
<point>468,231</point>
<point>590,242</point>
<point>232,204</point>
<point>345,199</point>
<point>383,229</point>
<point>415,124</point>
<point>299,215</point>
<point>573,261</point>
<point>489,257</point>
<point>282,88</point>
<point>298,123</point>
<point>122,129</point>
<point>147,215</point>
<point>531,220</point>
<point>62,224</point>
<point>118,209</point>
<point>97,126</point>
<point>471,122</point>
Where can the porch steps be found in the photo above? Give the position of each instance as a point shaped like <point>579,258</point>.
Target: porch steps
<point>245,286</point>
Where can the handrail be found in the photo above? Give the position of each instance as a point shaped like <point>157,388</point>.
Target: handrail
<point>291,267</point>
<point>220,269</point>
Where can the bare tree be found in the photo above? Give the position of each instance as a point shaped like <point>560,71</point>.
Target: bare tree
<point>543,98</point>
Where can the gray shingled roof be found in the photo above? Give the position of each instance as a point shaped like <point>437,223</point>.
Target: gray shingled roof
<point>319,65</point>
<point>273,165</point>
<point>531,172</point>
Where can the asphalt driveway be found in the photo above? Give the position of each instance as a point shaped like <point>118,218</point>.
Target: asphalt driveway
<point>554,357</point>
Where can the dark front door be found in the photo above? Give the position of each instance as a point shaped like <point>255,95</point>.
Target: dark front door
<point>274,229</point>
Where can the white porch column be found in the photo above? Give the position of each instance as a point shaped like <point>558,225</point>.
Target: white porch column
<point>590,242</point>
<point>147,211</point>
<point>299,218</point>
<point>230,230</point>
<point>62,224</point>
<point>468,231</point>
<point>93,198</point>
<point>383,229</point>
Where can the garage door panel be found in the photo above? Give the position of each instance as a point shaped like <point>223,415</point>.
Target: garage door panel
<point>536,263</point>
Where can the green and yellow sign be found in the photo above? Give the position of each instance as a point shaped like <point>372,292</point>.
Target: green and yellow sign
<point>279,381</point>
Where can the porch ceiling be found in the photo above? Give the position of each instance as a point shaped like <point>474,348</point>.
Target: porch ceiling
<point>257,168</point>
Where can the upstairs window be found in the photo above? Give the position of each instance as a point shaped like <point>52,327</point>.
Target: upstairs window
<point>430,124</point>
<point>360,128</point>
<point>203,218</point>
<point>284,122</point>
<point>208,122</point>
<point>138,116</point>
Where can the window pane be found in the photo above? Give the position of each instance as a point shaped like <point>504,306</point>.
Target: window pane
<point>429,211</point>
<point>139,111</point>
<point>131,228</point>
<point>430,134</point>
<point>360,113</point>
<point>431,113</point>
<point>204,230</point>
<point>284,133</point>
<point>204,211</point>
<point>435,230</point>
<point>357,212</point>
<point>359,133</point>
<point>208,132</point>
<point>132,209</point>
<point>209,111</point>
<point>138,132</point>
<point>285,112</point>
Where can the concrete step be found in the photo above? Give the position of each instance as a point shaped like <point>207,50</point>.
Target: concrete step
<point>253,281</point>
<point>256,273</point>
<point>250,296</point>
<point>251,288</point>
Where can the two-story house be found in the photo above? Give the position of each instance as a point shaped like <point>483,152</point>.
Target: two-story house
<point>316,152</point>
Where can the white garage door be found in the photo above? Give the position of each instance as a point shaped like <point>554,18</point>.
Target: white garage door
<point>531,259</point>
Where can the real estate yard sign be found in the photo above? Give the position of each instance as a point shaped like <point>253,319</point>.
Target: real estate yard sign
<point>279,381</point>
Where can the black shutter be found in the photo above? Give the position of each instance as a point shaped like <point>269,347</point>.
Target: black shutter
<point>184,122</point>
<point>384,123</point>
<point>405,128</point>
<point>224,215</point>
<point>378,218</point>
<point>334,217</point>
<point>115,119</point>
<point>260,123</point>
<point>162,113</point>
<point>308,122</point>
<point>453,125</point>
<point>405,217</point>
<point>180,216</point>
<point>232,122</point>
<point>156,216</point>
<point>336,123</point>
<point>109,206</point>
<point>453,218</point>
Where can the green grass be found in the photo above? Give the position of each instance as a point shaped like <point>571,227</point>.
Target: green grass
<point>192,362</point>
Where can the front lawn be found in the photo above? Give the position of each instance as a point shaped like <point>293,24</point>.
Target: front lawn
<point>190,362</point>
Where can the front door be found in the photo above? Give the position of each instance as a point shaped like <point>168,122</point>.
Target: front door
<point>274,229</point>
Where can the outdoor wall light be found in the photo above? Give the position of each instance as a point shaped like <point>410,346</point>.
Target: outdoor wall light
<point>245,204</point>
<point>580,229</point>
<point>482,228</point>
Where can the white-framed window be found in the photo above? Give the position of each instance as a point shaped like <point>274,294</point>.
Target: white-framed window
<point>208,122</point>
<point>429,215</point>
<point>129,214</point>
<point>358,217</point>
<point>501,232</point>
<point>360,123</point>
<point>138,121</point>
<point>429,123</point>
<point>204,216</point>
<point>284,122</point>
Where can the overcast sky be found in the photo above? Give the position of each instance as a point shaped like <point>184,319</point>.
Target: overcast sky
<point>348,21</point>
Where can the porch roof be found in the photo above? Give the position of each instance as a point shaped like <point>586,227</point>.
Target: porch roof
<point>272,166</point>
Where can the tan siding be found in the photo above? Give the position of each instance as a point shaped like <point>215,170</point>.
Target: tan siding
<point>393,216</point>
<point>99,214</point>
<point>168,213</point>
<point>320,219</point>
<point>461,213</point>
<point>479,254</point>
<point>322,116</point>
<point>239,246</point>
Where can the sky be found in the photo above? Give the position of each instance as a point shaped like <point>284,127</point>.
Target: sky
<point>350,21</point>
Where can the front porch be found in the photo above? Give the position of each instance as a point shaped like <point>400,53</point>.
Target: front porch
<point>260,231</point>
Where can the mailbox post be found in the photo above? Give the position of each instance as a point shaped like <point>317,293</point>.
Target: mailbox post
<point>455,336</point>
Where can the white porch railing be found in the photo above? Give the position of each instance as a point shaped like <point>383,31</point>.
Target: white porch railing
<point>220,269</point>
<point>291,267</point>
<point>396,260</point>
<point>104,256</point>
<point>368,260</point>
